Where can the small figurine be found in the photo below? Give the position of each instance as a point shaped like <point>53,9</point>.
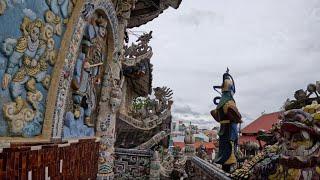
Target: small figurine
<point>228,116</point>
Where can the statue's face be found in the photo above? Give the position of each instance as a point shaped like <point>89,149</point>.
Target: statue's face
<point>298,140</point>
<point>34,34</point>
<point>102,31</point>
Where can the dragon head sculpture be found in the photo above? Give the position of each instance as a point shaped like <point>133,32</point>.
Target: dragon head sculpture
<point>296,153</point>
<point>301,134</point>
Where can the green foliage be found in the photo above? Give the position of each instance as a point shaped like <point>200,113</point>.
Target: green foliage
<point>139,103</point>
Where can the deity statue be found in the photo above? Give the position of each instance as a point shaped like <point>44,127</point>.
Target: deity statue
<point>227,114</point>
<point>88,69</point>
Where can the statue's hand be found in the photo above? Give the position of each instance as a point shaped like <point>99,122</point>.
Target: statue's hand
<point>34,63</point>
<point>5,81</point>
<point>98,81</point>
<point>86,65</point>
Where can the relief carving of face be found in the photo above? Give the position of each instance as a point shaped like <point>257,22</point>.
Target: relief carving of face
<point>298,141</point>
<point>102,26</point>
<point>102,31</point>
<point>299,134</point>
<point>34,34</point>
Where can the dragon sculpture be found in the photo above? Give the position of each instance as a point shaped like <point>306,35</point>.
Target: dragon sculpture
<point>295,154</point>
<point>135,53</point>
<point>147,107</point>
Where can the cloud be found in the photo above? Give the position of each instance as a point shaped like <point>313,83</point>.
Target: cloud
<point>196,17</point>
<point>185,109</point>
<point>186,113</point>
<point>271,47</point>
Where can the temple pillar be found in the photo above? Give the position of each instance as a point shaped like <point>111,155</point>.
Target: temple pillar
<point>112,98</point>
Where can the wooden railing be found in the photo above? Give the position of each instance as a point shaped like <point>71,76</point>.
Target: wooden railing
<point>68,160</point>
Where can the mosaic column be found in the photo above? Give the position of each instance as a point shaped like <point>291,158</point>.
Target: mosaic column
<point>106,121</point>
<point>106,131</point>
<point>110,104</point>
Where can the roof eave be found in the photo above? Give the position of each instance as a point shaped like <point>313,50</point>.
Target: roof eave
<point>175,4</point>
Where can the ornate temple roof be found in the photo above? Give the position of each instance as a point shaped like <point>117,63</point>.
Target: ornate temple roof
<point>147,10</point>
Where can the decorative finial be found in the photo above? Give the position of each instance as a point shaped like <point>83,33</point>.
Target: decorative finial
<point>227,70</point>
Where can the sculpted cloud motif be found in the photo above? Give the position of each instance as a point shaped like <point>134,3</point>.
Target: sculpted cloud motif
<point>29,13</point>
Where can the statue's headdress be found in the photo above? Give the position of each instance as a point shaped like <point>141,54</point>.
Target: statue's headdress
<point>228,85</point>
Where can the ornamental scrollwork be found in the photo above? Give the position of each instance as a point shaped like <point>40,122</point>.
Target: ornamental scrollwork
<point>132,164</point>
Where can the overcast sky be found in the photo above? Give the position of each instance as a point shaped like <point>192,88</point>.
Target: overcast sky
<point>272,48</point>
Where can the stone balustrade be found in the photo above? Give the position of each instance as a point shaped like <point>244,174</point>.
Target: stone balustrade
<point>153,141</point>
<point>145,124</point>
<point>206,170</point>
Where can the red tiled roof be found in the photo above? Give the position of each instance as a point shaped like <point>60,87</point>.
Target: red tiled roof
<point>208,145</point>
<point>243,139</point>
<point>178,144</point>
<point>263,122</point>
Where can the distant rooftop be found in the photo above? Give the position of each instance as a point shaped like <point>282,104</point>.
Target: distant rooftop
<point>178,139</point>
<point>264,122</point>
<point>208,145</point>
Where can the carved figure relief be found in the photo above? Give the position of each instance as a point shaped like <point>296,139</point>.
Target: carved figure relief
<point>26,76</point>
<point>88,72</point>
